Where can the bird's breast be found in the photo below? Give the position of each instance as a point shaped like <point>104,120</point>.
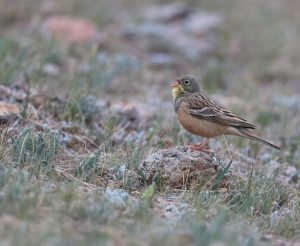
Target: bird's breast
<point>197,126</point>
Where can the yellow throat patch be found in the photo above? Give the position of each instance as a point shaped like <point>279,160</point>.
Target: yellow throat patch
<point>176,92</point>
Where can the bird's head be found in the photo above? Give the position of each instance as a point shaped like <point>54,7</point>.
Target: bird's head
<point>185,84</point>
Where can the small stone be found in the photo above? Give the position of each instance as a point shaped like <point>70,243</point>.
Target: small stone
<point>51,70</point>
<point>8,113</point>
<point>167,13</point>
<point>292,174</point>
<point>291,171</point>
<point>8,108</point>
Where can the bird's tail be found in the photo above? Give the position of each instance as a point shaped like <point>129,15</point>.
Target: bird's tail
<point>248,134</point>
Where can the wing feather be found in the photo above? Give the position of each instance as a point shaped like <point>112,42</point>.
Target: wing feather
<point>202,107</point>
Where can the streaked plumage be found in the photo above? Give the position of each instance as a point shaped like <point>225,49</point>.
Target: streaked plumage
<point>201,116</point>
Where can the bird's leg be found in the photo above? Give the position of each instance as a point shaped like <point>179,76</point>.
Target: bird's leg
<point>204,146</point>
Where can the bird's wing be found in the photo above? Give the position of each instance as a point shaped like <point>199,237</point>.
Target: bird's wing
<point>202,107</point>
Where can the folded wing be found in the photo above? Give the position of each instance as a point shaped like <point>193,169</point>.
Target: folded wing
<point>202,107</point>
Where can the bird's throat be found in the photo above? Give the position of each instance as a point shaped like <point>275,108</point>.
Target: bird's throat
<point>176,92</point>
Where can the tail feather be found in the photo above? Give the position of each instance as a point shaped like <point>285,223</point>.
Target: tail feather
<point>246,133</point>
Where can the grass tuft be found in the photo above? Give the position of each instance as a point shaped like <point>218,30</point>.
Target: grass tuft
<point>88,166</point>
<point>35,151</point>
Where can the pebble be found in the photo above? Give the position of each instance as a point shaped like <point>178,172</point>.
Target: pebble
<point>167,12</point>
<point>51,70</point>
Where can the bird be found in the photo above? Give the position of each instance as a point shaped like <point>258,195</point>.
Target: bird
<point>201,116</point>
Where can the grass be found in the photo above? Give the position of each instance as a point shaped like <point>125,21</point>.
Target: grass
<point>69,170</point>
<point>36,151</point>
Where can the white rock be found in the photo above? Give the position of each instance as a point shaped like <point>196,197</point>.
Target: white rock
<point>51,70</point>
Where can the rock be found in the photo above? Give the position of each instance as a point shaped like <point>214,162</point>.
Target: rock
<point>167,13</point>
<point>51,70</point>
<point>8,108</point>
<point>287,174</point>
<point>8,113</point>
<point>292,173</point>
<point>183,168</point>
<point>70,29</point>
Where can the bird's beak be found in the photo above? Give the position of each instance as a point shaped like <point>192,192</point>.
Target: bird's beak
<point>176,84</point>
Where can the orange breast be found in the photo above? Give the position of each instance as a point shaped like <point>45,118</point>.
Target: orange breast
<point>197,126</point>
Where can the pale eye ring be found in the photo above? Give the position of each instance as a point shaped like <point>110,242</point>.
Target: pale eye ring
<point>186,82</point>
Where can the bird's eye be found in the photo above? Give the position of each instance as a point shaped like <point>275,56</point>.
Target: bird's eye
<point>186,82</point>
